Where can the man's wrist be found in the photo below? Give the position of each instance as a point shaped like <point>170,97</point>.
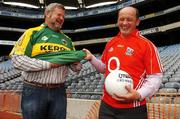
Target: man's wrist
<point>91,58</point>
<point>138,96</point>
<point>55,65</point>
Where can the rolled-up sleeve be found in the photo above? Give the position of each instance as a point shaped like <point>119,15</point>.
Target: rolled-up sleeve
<point>151,85</point>
<point>98,64</point>
<point>26,63</point>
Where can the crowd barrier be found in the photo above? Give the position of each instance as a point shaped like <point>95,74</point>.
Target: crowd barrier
<point>160,106</point>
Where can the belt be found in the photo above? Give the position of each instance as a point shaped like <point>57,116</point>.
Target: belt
<point>44,85</point>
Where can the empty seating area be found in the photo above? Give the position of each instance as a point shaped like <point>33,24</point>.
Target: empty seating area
<point>9,77</point>
<point>170,57</point>
<point>88,83</point>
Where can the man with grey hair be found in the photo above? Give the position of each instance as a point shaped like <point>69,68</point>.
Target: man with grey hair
<point>44,95</point>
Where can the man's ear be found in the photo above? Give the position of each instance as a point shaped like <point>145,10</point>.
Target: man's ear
<point>47,14</point>
<point>137,22</point>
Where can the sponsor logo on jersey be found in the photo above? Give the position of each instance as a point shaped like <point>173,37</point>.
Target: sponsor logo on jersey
<point>129,51</point>
<point>51,48</point>
<point>41,48</point>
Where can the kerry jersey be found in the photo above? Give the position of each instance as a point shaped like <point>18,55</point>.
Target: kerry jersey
<point>137,56</point>
<point>45,44</point>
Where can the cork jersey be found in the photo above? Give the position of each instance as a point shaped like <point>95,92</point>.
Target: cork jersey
<point>137,56</point>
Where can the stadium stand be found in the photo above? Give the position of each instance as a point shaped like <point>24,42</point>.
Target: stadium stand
<point>89,82</point>
<point>91,28</point>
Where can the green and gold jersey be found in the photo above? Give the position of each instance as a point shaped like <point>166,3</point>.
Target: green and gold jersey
<point>45,44</point>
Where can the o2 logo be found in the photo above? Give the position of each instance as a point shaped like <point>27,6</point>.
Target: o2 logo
<point>117,63</point>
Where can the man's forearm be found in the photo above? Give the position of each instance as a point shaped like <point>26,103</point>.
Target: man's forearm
<point>98,64</point>
<point>26,63</point>
<point>151,85</point>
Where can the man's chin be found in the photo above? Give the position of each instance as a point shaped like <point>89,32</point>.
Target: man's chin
<point>58,26</point>
<point>125,33</point>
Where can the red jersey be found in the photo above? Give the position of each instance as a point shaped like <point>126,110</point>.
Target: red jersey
<point>137,56</point>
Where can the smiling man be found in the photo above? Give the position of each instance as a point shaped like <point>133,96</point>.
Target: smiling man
<point>138,57</point>
<point>42,54</point>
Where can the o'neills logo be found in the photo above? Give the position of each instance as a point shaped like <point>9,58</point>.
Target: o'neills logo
<point>52,48</point>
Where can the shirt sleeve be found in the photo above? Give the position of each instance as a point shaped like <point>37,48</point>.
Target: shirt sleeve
<point>26,63</point>
<point>103,58</point>
<point>98,64</point>
<point>24,44</point>
<point>152,60</point>
<point>150,85</point>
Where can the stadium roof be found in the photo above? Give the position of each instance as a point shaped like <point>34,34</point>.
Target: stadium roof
<point>70,3</point>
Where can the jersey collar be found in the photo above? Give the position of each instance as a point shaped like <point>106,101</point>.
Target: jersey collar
<point>134,33</point>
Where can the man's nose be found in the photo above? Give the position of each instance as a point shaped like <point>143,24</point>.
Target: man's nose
<point>125,22</point>
<point>61,17</point>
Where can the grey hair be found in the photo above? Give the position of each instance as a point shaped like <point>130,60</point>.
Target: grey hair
<point>52,6</point>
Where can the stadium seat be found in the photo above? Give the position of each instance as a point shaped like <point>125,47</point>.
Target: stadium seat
<point>175,85</point>
<point>162,99</point>
<point>167,90</point>
<point>165,80</point>
<point>161,86</point>
<point>85,96</point>
<point>95,97</point>
<point>98,90</point>
<point>174,79</point>
<point>89,90</point>
<point>75,96</point>
<point>81,90</point>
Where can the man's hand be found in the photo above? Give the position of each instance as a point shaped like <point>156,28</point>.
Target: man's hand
<point>132,95</point>
<point>89,55</point>
<point>55,65</point>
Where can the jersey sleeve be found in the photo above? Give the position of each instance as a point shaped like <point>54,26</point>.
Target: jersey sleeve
<point>152,59</point>
<point>23,46</point>
<point>103,57</point>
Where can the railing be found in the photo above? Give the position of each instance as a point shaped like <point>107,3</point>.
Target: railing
<point>160,106</point>
<point>157,109</point>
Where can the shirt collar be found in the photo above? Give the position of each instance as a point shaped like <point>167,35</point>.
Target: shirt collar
<point>46,26</point>
<point>134,33</point>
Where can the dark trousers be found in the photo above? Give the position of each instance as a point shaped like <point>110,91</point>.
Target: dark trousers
<point>43,103</point>
<point>108,112</point>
